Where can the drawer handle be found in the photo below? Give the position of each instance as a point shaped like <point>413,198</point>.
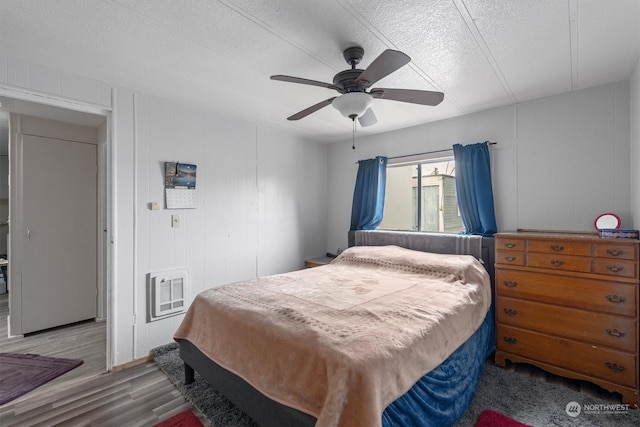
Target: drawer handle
<point>510,258</point>
<point>510,340</point>
<point>614,367</point>
<point>615,268</point>
<point>616,333</point>
<point>557,248</point>
<point>557,263</point>
<point>510,311</point>
<point>616,299</point>
<point>510,245</point>
<point>615,252</point>
<point>510,284</point>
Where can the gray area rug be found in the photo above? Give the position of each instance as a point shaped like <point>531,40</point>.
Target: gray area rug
<point>524,398</point>
<point>214,406</point>
<point>538,403</point>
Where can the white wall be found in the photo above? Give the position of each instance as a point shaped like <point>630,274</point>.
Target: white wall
<point>559,162</point>
<point>635,144</point>
<point>4,202</point>
<point>41,81</point>
<point>260,206</point>
<point>261,196</point>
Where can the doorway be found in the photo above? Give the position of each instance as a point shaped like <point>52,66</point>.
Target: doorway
<point>92,332</point>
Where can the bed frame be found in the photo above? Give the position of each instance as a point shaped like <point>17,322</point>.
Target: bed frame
<point>268,413</point>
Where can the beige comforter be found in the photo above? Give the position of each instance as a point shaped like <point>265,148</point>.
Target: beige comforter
<point>343,341</point>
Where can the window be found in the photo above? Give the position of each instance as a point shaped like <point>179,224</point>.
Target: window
<point>433,208</point>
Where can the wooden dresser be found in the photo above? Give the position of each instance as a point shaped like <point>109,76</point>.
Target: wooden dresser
<point>568,303</point>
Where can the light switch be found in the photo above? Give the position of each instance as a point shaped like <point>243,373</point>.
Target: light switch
<point>175,220</point>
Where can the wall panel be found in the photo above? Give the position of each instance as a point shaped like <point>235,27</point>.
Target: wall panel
<point>123,227</point>
<point>45,79</point>
<point>260,203</point>
<point>634,94</point>
<point>4,65</point>
<point>560,161</point>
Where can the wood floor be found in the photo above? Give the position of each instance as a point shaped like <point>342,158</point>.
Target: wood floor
<point>83,340</point>
<point>140,396</point>
<point>88,396</point>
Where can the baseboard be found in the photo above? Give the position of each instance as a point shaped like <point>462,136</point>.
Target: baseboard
<point>132,363</point>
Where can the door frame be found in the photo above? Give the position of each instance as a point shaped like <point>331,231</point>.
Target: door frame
<point>105,217</point>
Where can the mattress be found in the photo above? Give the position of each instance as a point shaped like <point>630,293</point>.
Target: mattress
<point>343,341</point>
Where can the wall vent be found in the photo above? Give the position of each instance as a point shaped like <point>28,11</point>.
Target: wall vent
<point>168,293</point>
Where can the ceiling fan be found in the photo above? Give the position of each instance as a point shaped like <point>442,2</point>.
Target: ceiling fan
<point>355,97</point>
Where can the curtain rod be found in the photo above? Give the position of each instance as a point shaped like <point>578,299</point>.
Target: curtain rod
<point>429,152</point>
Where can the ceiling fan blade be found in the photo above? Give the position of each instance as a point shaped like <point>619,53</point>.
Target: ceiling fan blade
<point>386,63</point>
<point>300,80</point>
<point>424,97</point>
<point>312,109</point>
<point>368,118</point>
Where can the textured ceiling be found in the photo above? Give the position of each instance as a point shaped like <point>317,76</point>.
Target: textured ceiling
<point>219,54</point>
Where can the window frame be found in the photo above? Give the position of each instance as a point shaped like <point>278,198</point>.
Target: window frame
<point>419,161</point>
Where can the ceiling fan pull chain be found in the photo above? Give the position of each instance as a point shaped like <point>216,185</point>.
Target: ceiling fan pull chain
<point>353,143</point>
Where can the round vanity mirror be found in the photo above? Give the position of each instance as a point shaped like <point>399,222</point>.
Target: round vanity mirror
<point>607,220</point>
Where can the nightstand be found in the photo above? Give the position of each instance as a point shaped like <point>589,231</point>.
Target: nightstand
<point>317,262</point>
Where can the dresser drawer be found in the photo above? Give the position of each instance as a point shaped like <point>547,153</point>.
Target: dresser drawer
<point>599,328</point>
<point>510,257</point>
<point>607,364</point>
<point>585,294</point>
<point>559,262</point>
<point>615,251</point>
<point>616,267</point>
<point>559,247</point>
<point>510,244</point>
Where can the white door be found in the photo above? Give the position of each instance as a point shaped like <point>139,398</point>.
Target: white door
<point>59,259</point>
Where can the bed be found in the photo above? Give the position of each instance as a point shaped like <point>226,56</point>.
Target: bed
<point>393,332</point>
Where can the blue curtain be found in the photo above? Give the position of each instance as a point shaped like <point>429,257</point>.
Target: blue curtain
<point>473,188</point>
<point>368,195</point>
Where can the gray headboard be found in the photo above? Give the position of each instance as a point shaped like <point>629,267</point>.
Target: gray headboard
<point>480,247</point>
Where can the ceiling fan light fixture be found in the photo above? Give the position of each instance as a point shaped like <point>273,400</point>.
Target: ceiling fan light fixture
<point>354,101</point>
<point>353,104</point>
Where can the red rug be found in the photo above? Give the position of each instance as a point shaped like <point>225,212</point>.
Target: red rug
<point>185,418</point>
<point>490,418</point>
<point>21,373</point>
